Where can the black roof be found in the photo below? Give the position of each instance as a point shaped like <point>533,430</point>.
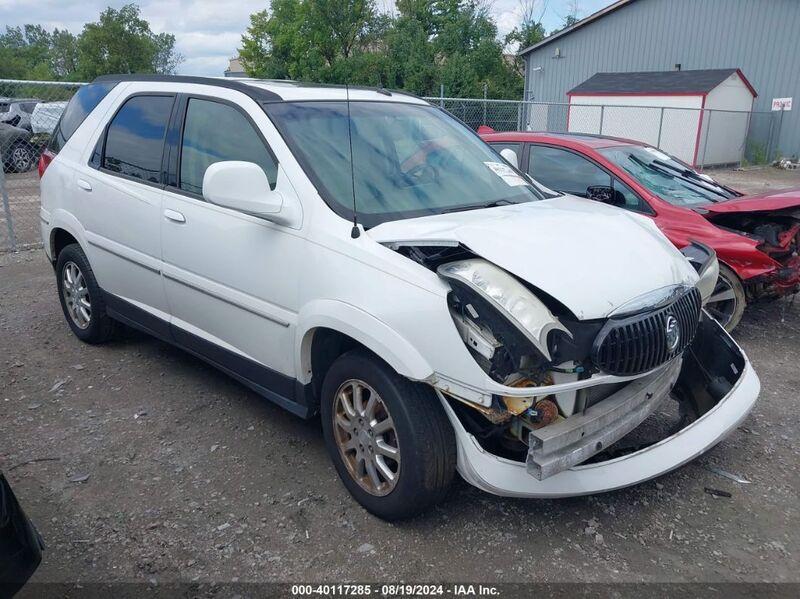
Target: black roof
<point>658,82</point>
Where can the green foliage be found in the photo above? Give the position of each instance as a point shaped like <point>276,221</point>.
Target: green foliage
<point>756,153</point>
<point>427,43</point>
<point>120,42</point>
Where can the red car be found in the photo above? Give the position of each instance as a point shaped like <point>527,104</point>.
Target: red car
<point>757,238</point>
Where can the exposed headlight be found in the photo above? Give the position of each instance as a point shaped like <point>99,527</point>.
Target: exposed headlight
<point>705,262</point>
<point>510,297</point>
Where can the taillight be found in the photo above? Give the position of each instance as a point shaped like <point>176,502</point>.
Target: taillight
<point>44,161</point>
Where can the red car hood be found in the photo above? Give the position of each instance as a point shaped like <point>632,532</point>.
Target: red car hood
<point>776,200</point>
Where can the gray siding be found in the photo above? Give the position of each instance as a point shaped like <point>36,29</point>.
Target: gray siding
<point>761,37</point>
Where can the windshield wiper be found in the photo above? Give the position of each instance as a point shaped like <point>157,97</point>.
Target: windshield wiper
<point>655,165</point>
<point>492,204</point>
<point>687,172</point>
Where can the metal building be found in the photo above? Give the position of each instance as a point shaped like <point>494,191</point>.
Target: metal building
<point>760,37</point>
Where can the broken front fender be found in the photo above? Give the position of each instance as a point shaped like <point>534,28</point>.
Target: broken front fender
<point>716,381</point>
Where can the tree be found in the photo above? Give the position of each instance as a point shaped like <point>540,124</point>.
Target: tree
<point>530,30</point>
<point>24,52</point>
<point>334,41</point>
<point>427,43</point>
<point>63,54</point>
<point>571,17</point>
<point>122,42</point>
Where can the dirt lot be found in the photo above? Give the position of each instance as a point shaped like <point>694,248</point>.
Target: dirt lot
<point>155,467</point>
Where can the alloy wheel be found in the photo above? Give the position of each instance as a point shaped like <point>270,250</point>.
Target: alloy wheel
<point>722,303</point>
<point>21,159</point>
<point>76,295</point>
<point>366,437</point>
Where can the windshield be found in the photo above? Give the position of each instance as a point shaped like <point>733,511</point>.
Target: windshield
<point>409,160</point>
<point>666,176</point>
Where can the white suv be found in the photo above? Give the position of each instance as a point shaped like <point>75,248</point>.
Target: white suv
<point>362,255</point>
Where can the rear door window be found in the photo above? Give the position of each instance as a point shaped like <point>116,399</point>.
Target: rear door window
<point>135,138</point>
<point>214,132</point>
<point>565,171</point>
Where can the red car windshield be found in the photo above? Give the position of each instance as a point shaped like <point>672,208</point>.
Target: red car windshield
<point>667,177</point>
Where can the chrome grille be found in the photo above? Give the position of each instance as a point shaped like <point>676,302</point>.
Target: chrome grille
<point>639,343</point>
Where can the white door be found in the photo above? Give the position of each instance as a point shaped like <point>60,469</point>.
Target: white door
<point>119,196</point>
<point>231,278</point>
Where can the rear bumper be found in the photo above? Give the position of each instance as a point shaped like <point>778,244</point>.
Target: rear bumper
<point>505,477</point>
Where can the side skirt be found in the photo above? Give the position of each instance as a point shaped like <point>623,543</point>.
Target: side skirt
<point>283,390</point>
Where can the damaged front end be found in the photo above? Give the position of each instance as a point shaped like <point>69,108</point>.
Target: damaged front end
<point>580,395</point>
<point>773,266</point>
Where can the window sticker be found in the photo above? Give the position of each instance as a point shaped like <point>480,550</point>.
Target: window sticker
<point>506,173</point>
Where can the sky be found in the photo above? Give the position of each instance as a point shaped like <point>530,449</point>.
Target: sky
<point>208,32</point>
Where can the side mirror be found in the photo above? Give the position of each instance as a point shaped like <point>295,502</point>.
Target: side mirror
<point>510,156</point>
<point>603,193</point>
<point>241,186</point>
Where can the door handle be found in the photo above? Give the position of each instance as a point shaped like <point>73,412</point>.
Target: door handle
<point>174,216</point>
<point>84,185</point>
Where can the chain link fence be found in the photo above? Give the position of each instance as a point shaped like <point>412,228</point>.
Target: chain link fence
<point>29,111</point>
<point>701,137</point>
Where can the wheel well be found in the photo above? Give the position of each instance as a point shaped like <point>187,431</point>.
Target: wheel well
<point>326,346</point>
<point>59,239</point>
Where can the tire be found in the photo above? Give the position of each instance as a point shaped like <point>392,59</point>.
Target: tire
<point>20,158</point>
<point>421,432</point>
<point>729,308</point>
<point>99,326</point>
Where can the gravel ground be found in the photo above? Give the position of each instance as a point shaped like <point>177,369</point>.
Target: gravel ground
<point>155,467</point>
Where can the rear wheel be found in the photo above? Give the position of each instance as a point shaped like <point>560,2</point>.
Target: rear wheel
<point>81,297</point>
<point>728,301</point>
<point>389,438</point>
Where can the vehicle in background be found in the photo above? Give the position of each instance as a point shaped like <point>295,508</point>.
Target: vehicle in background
<point>17,111</point>
<point>374,262</point>
<point>756,238</point>
<point>19,153</point>
<point>45,116</point>
<point>20,543</point>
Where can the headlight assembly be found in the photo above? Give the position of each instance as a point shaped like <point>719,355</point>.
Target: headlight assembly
<point>510,298</point>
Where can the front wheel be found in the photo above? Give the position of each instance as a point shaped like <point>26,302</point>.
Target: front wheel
<point>389,438</point>
<point>728,301</point>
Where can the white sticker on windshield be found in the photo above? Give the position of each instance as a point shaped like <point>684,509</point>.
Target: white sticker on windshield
<point>657,153</point>
<point>506,173</point>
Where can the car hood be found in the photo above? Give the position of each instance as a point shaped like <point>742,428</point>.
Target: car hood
<point>774,200</point>
<point>591,257</point>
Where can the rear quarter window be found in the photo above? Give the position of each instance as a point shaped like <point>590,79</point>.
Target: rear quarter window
<point>82,103</point>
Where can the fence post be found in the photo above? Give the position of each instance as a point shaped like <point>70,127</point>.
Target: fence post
<point>743,157</point>
<point>778,136</point>
<point>602,113</point>
<point>441,95</point>
<point>12,239</point>
<point>705,140</point>
<point>485,95</point>
<point>660,126</point>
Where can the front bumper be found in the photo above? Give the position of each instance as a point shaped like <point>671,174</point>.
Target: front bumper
<point>510,478</point>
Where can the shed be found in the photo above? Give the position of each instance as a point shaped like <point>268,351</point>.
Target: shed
<point>698,115</point>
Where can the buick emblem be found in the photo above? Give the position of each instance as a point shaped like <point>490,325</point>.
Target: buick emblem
<point>672,333</point>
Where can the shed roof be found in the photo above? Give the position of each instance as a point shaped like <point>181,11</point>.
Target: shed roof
<point>666,83</point>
